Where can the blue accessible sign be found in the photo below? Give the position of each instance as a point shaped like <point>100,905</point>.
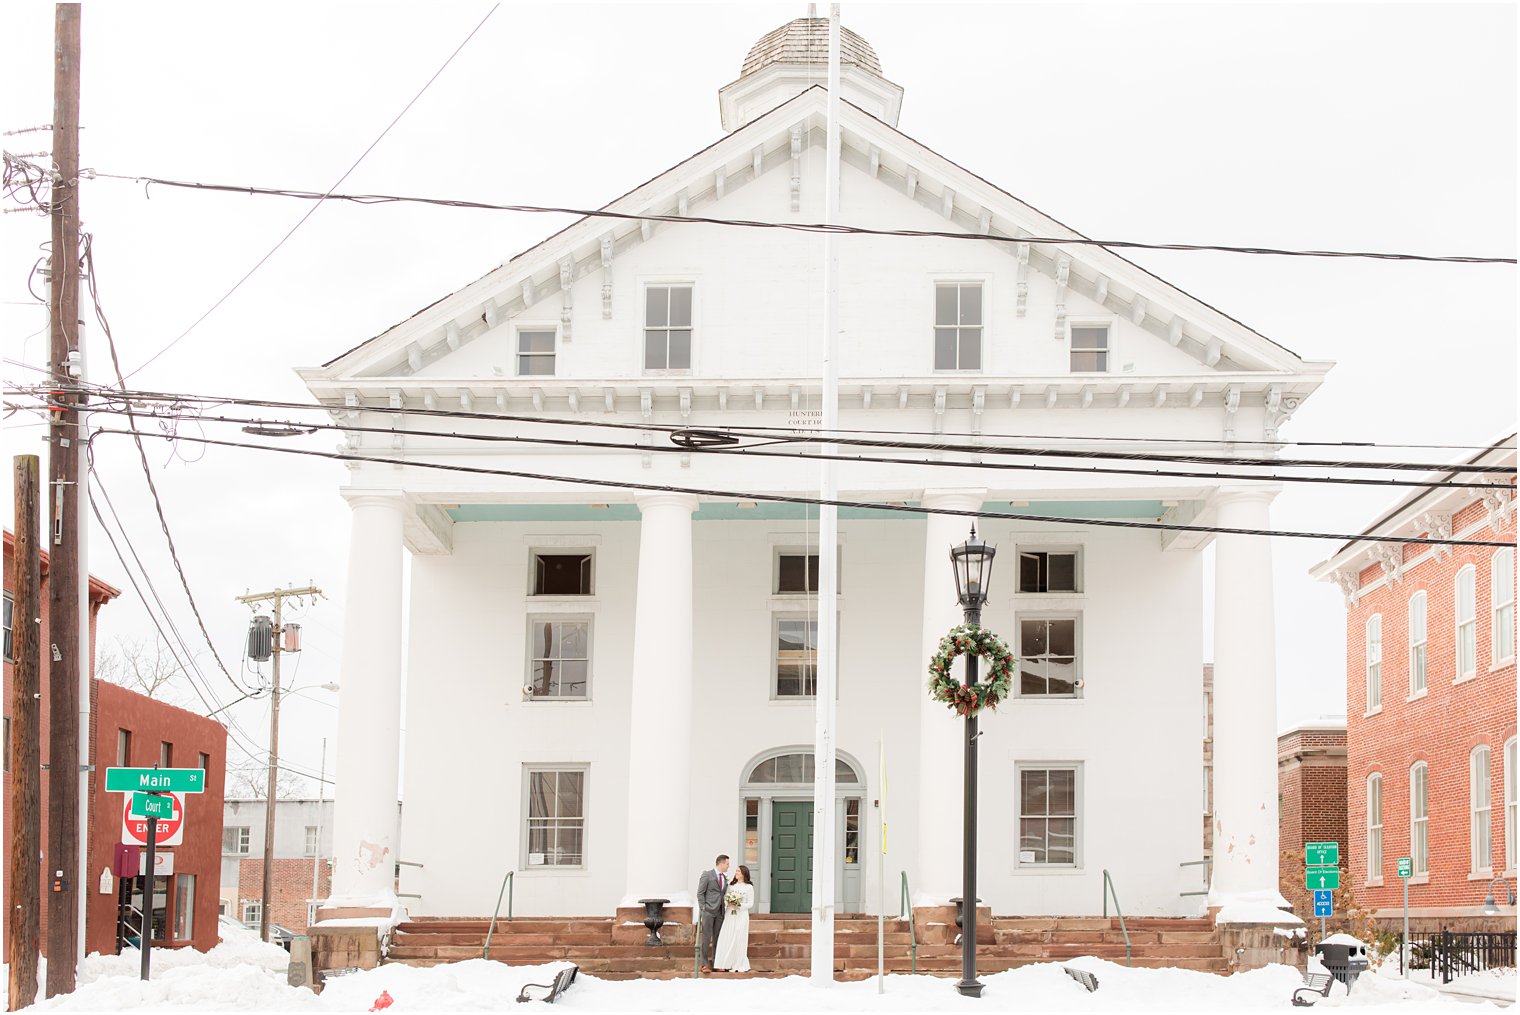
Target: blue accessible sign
<point>1322,904</point>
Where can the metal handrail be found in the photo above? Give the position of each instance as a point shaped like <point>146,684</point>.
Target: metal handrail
<point>906,912</point>
<point>508,886</point>
<point>1206,863</point>
<point>1108,889</point>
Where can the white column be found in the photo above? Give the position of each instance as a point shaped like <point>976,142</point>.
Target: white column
<point>369,709</point>
<point>941,737</point>
<point>659,719</point>
<point>1245,712</point>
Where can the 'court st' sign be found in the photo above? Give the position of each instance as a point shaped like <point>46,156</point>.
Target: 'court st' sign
<point>155,780</point>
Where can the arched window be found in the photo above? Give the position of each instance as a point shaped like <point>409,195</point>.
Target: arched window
<point>797,768</point>
<point>1501,577</point>
<point>1419,817</point>
<point>1374,662</point>
<point>1375,828</point>
<point>1480,805</point>
<point>1466,612</point>
<point>1417,679</point>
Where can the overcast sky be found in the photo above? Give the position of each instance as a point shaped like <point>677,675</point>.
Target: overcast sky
<point>1362,126</point>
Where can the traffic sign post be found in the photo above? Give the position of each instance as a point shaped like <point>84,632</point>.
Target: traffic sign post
<point>1322,878</point>
<point>1406,871</point>
<point>148,879</point>
<point>151,798</point>
<point>1324,906</point>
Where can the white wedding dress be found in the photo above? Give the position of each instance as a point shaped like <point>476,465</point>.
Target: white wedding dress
<point>732,951</point>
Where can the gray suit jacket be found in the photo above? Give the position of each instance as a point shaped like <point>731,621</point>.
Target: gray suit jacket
<point>709,895</point>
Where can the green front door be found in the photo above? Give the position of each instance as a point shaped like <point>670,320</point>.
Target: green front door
<point>791,856</point>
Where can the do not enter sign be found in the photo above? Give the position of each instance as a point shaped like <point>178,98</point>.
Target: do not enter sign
<point>171,831</point>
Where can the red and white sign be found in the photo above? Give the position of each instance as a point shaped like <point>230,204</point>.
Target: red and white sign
<point>134,830</point>
<point>163,864</point>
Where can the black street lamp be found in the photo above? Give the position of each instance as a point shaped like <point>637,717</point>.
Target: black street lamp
<point>972,562</point>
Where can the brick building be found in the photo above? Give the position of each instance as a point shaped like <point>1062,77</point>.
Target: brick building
<point>1311,787</point>
<point>302,852</point>
<point>127,728</point>
<point>1430,701</point>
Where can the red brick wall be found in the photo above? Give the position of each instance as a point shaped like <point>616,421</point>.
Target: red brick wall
<point>1311,785</point>
<point>1440,728</point>
<point>289,891</point>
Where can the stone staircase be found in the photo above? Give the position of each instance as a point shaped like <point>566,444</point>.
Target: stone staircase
<point>780,944</point>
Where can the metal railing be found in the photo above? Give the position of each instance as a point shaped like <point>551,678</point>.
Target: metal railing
<point>906,913</point>
<point>508,886</point>
<point>406,863</point>
<point>1108,889</point>
<point>1206,864</point>
<point>1449,955</point>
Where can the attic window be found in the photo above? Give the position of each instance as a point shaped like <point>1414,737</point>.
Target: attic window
<point>535,352</point>
<point>958,327</point>
<point>1089,348</point>
<point>667,327</point>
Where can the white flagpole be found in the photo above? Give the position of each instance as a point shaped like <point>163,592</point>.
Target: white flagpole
<point>825,837</point>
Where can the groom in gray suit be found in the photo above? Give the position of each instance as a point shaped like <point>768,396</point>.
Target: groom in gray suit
<point>711,887</point>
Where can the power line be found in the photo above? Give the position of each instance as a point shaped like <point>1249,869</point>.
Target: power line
<point>759,452</point>
<point>777,498</point>
<point>302,221</point>
<point>801,227</point>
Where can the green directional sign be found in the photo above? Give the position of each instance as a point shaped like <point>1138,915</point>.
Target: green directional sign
<point>155,780</point>
<point>1406,867</point>
<point>1318,879</point>
<point>147,805</point>
<point>1322,854</point>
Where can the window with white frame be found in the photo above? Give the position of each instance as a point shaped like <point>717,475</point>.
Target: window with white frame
<point>1050,570</point>
<point>312,837</point>
<point>1089,348</point>
<point>1501,578</point>
<point>1466,611</point>
<point>1048,662</point>
<point>559,657</point>
<point>10,611</point>
<point>796,663</point>
<point>556,817</point>
<point>535,352</point>
<point>1480,804</point>
<point>253,913</point>
<point>1417,672</point>
<point>1419,817</point>
<point>1048,815</point>
<point>667,327</point>
<point>1374,662</point>
<point>1375,828</point>
<point>796,572</point>
<point>958,326</point>
<point>1511,818</point>
<point>235,840</point>
<point>566,573</point>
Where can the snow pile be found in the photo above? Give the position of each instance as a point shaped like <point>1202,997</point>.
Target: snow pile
<point>1257,907</point>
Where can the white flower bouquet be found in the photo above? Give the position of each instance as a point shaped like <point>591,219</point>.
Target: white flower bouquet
<point>734,900</point>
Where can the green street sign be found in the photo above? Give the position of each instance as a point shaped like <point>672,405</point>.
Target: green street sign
<point>1406,867</point>
<point>1322,879</point>
<point>1322,854</point>
<point>155,780</point>
<point>146,805</point>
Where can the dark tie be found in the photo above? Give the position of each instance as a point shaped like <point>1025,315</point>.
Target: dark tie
<point>722,883</point>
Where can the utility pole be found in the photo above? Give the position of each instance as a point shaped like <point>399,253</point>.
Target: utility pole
<point>25,875</point>
<point>64,607</point>
<point>278,597</point>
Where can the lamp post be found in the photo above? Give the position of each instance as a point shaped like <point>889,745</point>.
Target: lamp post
<point>972,563</point>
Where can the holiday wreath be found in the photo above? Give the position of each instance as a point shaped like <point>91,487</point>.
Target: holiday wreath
<point>969,700</point>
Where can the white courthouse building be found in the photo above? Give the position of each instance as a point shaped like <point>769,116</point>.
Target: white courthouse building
<point>606,685</point>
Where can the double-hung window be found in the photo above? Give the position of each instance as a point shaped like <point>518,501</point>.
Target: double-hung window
<point>796,667</point>
<point>1419,817</point>
<point>1375,828</point>
<point>1089,348</point>
<point>253,914</point>
<point>1417,673</point>
<point>1049,571</point>
<point>1480,805</point>
<point>559,657</point>
<point>1466,610</point>
<point>1511,817</point>
<point>311,840</point>
<point>235,840</point>
<point>1374,662</point>
<point>1048,660</point>
<point>556,822</point>
<point>10,611</point>
<point>1048,815</point>
<point>1502,602</point>
<point>535,352</point>
<point>667,327</point>
<point>958,326</point>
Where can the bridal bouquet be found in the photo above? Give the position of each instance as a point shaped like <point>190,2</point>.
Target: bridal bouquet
<point>734,900</point>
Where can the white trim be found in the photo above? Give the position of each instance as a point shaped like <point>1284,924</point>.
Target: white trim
<point>982,282</point>
<point>572,618</point>
<point>1414,853</point>
<point>539,550</point>
<point>1078,662</point>
<point>1093,321</point>
<point>1077,550</point>
<point>1423,668</point>
<point>1480,785</point>
<point>1078,824</point>
<point>1372,658</point>
<point>1496,660</point>
<point>530,767</point>
<point>677,280</point>
<point>1511,807</point>
<point>1374,871</point>
<point>520,326</point>
<point>1471,572</point>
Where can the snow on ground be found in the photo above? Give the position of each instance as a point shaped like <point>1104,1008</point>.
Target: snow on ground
<point>1491,983</point>
<point>245,974</point>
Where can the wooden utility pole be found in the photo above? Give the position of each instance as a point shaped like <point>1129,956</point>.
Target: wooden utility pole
<point>278,597</point>
<point>25,875</point>
<point>64,517</point>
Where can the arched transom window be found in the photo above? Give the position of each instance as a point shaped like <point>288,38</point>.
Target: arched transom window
<point>797,768</point>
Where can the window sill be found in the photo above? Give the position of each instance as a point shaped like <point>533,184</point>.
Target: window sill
<point>1040,869</point>
<point>1482,876</point>
<point>1372,712</point>
<point>801,602</point>
<point>535,700</point>
<point>1047,597</point>
<point>1465,680</point>
<point>668,372</point>
<point>1419,879</point>
<point>1053,698</point>
<point>1416,696</point>
<point>561,604</point>
<point>1502,664</point>
<point>1373,884</point>
<point>567,871</point>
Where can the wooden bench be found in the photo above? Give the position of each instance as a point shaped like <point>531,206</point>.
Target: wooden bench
<point>562,981</point>
<point>1314,983</point>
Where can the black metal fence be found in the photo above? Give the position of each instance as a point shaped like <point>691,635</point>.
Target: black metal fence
<point>1449,955</point>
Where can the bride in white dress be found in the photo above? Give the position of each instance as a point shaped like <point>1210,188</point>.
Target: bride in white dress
<point>732,952</point>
